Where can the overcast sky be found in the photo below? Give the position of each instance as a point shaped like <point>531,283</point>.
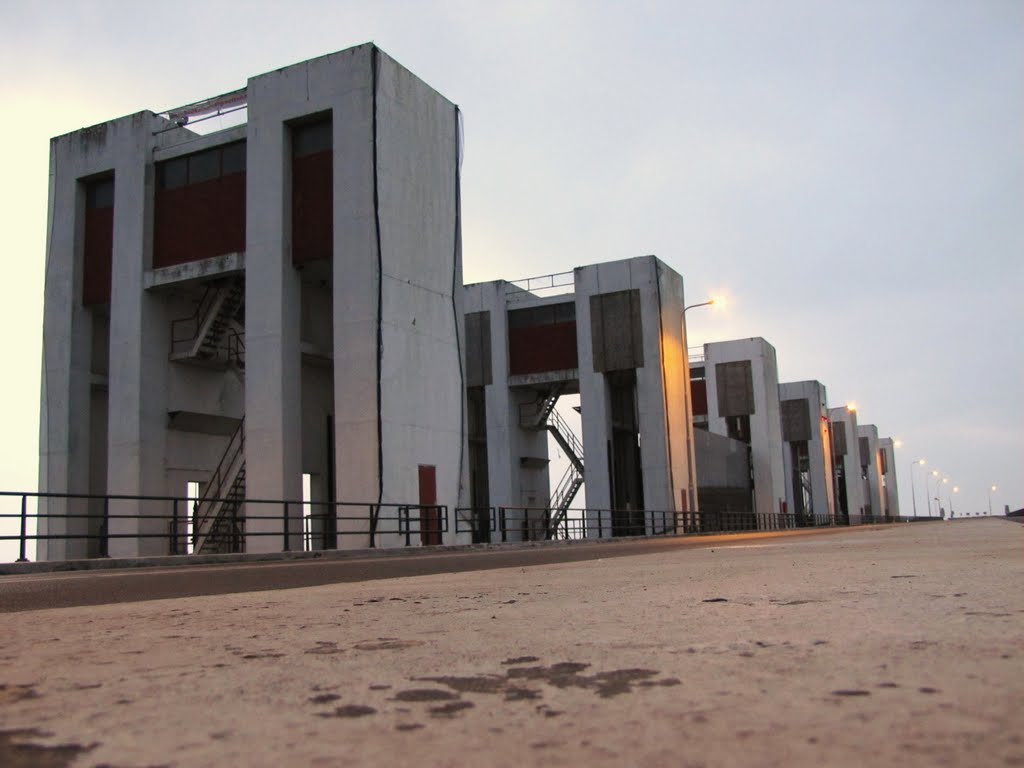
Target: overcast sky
<point>850,174</point>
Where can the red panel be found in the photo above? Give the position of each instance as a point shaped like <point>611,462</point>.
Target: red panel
<point>430,515</point>
<point>98,255</point>
<point>541,348</point>
<point>699,397</point>
<point>312,207</point>
<point>199,221</point>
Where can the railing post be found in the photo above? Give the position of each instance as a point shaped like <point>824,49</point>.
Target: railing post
<point>408,526</point>
<point>24,529</point>
<point>173,531</point>
<point>501,523</point>
<point>105,529</point>
<point>287,532</point>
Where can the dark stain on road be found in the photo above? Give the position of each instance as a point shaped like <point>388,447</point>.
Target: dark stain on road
<point>450,709</point>
<point>851,692</point>
<point>387,644</point>
<point>350,710</point>
<point>10,694</point>
<point>17,752</point>
<point>425,694</point>
<point>566,674</point>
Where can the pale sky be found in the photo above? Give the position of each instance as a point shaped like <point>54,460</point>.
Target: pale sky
<point>850,175</point>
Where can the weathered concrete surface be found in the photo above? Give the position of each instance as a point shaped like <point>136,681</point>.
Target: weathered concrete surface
<point>898,646</point>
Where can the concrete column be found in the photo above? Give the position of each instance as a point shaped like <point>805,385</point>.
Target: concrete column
<point>765,429</point>
<point>273,358</point>
<point>356,307</point>
<point>67,332</point>
<point>139,332</point>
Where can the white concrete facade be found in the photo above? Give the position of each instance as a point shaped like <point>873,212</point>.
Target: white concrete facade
<point>811,400</point>
<point>846,453</point>
<point>353,365</point>
<point>891,494</point>
<point>749,411</point>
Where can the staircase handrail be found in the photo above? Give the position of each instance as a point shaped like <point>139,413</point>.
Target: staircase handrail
<point>219,478</point>
<point>534,414</point>
<point>197,318</point>
<point>562,489</point>
<point>556,421</point>
<point>236,348</point>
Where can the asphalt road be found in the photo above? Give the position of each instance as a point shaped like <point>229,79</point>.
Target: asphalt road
<point>30,592</point>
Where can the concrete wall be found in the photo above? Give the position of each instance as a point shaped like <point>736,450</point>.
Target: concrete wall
<point>819,447</point>
<point>765,431</point>
<point>887,447</point>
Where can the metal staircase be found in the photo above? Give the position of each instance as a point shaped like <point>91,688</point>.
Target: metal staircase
<point>213,334</point>
<point>218,521</point>
<point>541,414</point>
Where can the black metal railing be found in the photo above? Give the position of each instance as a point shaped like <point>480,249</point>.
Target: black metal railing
<point>508,524</point>
<point>169,525</point>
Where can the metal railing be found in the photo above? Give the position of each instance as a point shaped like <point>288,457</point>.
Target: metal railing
<point>544,285</point>
<point>167,525</point>
<point>510,524</point>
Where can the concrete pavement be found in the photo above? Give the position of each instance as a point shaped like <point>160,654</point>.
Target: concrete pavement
<point>899,645</point>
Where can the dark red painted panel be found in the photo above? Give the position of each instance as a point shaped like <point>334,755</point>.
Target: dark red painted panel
<point>312,207</point>
<point>199,221</point>
<point>98,255</point>
<point>699,397</point>
<point>541,348</point>
<point>430,515</point>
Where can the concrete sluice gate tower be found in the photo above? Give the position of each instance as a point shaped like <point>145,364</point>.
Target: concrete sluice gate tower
<point>241,308</point>
<point>742,390</point>
<point>850,474</point>
<point>613,335</point>
<point>806,451</point>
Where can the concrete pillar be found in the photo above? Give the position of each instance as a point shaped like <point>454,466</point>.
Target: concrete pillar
<point>139,332</point>
<point>874,502</point>
<point>812,394</point>
<point>67,333</point>
<point>761,404</point>
<point>887,447</point>
<point>846,451</point>
<point>272,345</point>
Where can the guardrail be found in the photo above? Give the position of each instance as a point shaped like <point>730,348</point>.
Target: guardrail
<point>91,522</point>
<point>507,524</point>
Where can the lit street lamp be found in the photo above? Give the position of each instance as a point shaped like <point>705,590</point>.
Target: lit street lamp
<point>707,303</point>
<point>993,488</point>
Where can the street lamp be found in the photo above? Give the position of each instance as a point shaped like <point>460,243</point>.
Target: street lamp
<point>993,488</point>
<point>707,303</point>
<point>913,491</point>
<point>956,489</point>
<point>927,491</point>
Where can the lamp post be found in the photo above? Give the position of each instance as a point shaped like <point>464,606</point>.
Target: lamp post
<point>707,303</point>
<point>927,491</point>
<point>913,491</point>
<point>992,488</point>
<point>956,489</point>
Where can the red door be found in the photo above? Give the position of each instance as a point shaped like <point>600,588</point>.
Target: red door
<point>430,515</point>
